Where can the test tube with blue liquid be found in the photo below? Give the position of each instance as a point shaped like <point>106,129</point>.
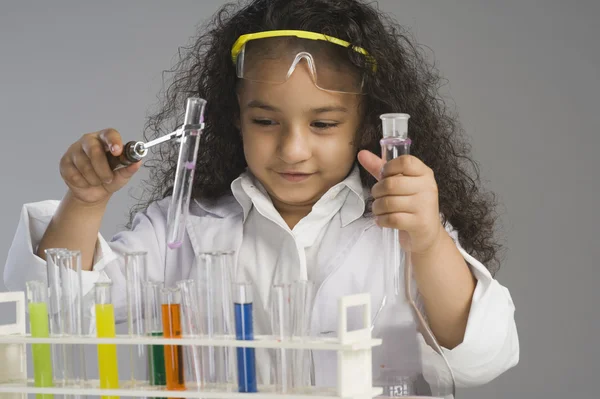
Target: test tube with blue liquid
<point>244,330</point>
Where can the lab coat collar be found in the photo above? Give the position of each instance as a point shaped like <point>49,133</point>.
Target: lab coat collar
<point>352,209</point>
<point>232,205</point>
<point>355,204</point>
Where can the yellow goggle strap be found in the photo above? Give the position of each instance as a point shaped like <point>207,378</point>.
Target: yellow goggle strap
<point>242,40</point>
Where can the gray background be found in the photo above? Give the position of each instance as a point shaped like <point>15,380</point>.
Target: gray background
<point>524,75</point>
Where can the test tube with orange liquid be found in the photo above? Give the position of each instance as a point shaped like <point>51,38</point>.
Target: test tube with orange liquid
<point>171,319</point>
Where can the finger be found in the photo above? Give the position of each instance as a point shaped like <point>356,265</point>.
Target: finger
<point>371,162</point>
<point>94,150</point>
<point>129,171</point>
<point>394,204</point>
<point>84,166</point>
<point>122,176</point>
<point>400,221</point>
<point>71,175</point>
<point>404,239</point>
<point>397,185</point>
<point>407,165</point>
<point>112,141</point>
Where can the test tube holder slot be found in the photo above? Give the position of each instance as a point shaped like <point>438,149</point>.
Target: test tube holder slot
<point>13,355</point>
<point>354,379</point>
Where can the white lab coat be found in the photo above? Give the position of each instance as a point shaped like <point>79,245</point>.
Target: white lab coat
<point>490,345</point>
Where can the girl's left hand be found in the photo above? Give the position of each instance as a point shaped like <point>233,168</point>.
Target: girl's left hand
<point>406,198</point>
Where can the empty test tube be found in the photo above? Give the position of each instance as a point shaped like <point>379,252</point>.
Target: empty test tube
<point>213,275</point>
<point>192,327</point>
<point>105,328</point>
<point>69,263</point>
<point>135,275</point>
<point>281,330</point>
<point>244,330</point>
<point>153,327</point>
<point>302,300</point>
<point>171,319</point>
<point>37,302</point>
<point>55,312</point>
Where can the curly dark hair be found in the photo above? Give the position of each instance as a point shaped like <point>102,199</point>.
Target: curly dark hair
<point>405,81</point>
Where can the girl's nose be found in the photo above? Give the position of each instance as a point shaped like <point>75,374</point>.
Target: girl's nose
<point>294,145</point>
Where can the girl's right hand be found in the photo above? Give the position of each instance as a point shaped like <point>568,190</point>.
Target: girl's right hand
<point>85,170</point>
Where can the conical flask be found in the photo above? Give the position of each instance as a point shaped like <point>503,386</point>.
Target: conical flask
<point>409,363</point>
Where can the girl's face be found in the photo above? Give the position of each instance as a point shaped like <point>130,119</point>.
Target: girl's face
<point>298,139</point>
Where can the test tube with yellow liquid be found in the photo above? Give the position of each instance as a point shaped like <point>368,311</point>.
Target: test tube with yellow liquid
<point>105,328</point>
<point>37,302</point>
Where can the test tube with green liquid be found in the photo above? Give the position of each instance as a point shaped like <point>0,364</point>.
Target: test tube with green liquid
<point>105,328</point>
<point>154,328</point>
<point>37,302</point>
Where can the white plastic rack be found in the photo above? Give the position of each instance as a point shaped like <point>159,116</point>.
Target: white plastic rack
<point>354,377</point>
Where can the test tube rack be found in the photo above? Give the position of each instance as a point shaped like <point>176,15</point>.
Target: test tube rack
<point>354,377</point>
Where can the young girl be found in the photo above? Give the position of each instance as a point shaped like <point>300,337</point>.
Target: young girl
<point>288,176</point>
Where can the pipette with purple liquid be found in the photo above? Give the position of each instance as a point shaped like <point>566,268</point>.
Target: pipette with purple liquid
<point>184,175</point>
<point>189,138</point>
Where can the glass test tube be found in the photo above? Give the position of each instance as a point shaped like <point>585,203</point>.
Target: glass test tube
<point>213,274</point>
<point>244,330</point>
<point>69,263</point>
<point>281,330</point>
<point>192,327</point>
<point>37,302</point>
<point>395,142</point>
<point>171,319</point>
<point>228,276</point>
<point>55,312</point>
<point>184,174</point>
<point>135,275</point>
<point>153,324</point>
<point>302,298</point>
<point>105,328</point>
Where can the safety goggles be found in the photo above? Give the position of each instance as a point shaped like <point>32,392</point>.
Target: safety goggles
<point>272,57</point>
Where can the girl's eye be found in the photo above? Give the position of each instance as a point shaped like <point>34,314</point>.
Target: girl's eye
<point>324,125</point>
<point>264,122</point>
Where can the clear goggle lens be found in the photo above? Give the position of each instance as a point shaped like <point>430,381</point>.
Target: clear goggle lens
<point>273,60</point>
